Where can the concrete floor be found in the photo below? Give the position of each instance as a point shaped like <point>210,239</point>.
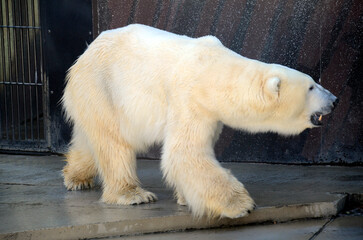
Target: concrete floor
<point>348,227</point>
<point>35,205</point>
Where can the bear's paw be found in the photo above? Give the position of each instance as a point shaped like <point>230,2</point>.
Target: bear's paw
<point>239,205</point>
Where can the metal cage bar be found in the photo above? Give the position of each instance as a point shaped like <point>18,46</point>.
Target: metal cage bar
<point>22,79</point>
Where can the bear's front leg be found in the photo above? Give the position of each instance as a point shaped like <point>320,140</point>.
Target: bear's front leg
<point>190,167</point>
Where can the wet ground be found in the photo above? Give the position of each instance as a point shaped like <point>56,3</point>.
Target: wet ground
<point>294,202</point>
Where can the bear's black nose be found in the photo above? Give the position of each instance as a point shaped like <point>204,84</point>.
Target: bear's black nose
<point>335,103</point>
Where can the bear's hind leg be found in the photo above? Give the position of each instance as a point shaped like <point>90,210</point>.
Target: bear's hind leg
<point>180,198</point>
<point>80,169</point>
<point>117,163</point>
<point>95,115</point>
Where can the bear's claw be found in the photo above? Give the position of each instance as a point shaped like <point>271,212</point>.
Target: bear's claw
<point>74,185</point>
<point>180,199</point>
<point>133,196</point>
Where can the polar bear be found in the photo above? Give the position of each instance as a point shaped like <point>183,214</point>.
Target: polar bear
<point>137,85</point>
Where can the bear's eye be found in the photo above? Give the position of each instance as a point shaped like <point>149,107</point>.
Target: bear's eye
<point>311,88</point>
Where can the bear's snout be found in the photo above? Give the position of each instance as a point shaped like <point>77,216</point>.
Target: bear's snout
<point>330,106</point>
<point>335,103</point>
<point>316,117</point>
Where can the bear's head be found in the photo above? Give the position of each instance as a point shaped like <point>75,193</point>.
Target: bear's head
<point>289,101</point>
<point>273,98</point>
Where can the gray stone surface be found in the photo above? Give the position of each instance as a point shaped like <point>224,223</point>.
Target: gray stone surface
<point>35,205</point>
<point>348,227</point>
<point>301,230</point>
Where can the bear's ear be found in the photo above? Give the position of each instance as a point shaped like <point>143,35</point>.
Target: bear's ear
<point>272,86</point>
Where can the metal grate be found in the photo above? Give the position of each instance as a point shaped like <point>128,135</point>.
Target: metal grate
<point>22,107</point>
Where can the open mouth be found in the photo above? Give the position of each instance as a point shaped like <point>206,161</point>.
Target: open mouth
<point>316,119</point>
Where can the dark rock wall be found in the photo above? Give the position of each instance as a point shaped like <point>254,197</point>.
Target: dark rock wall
<point>322,38</point>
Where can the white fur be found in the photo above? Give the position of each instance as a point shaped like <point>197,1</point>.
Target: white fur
<point>137,85</point>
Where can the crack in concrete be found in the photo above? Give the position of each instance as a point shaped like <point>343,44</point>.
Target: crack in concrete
<point>322,228</point>
<point>21,184</point>
<point>353,200</point>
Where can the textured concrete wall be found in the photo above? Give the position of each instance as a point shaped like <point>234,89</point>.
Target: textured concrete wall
<point>321,38</point>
